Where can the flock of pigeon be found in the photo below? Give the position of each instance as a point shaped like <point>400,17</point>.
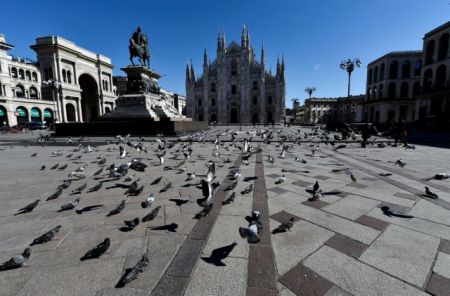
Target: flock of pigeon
<point>181,150</point>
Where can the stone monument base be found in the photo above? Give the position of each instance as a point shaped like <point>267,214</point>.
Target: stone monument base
<point>133,126</point>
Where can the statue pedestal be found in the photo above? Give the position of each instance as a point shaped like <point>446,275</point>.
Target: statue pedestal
<point>141,80</point>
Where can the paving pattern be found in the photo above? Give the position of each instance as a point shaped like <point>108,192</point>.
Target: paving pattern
<point>340,244</point>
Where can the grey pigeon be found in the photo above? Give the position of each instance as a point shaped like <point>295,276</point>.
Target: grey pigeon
<point>148,201</point>
<point>230,199</point>
<point>55,195</point>
<point>70,206</point>
<point>28,208</point>
<point>63,167</point>
<point>79,189</point>
<point>152,215</point>
<point>46,237</point>
<point>97,251</point>
<point>16,261</point>
<point>248,189</point>
<point>131,223</point>
<point>117,210</point>
<point>132,274</point>
<point>283,227</point>
<point>65,184</point>
<point>96,187</point>
<point>430,193</point>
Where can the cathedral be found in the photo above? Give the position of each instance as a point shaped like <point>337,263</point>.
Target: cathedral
<point>235,88</point>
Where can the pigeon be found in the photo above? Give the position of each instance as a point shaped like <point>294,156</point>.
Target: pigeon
<point>316,195</point>
<point>166,187</point>
<point>385,174</point>
<point>123,152</point>
<point>297,159</point>
<point>132,274</point>
<point>217,255</point>
<point>387,211</point>
<point>247,189</point>
<point>46,237</point>
<point>283,227</point>
<point>98,250</point>
<point>96,187</point>
<point>190,176</point>
<point>63,167</point>
<point>16,261</point>
<point>131,223</point>
<point>348,172</point>
<point>161,157</point>
<point>99,171</point>
<point>102,161</point>
<point>230,199</point>
<point>70,206</point>
<point>271,159</point>
<point>440,176</point>
<point>250,233</point>
<point>79,189</point>
<point>28,208</point>
<point>316,186</point>
<point>55,166</point>
<point>137,166</point>
<point>152,215</point>
<point>430,193</point>
<point>57,193</point>
<point>34,154</point>
<point>282,179</point>
<point>148,201</point>
<point>400,162</point>
<point>117,210</point>
<point>43,167</point>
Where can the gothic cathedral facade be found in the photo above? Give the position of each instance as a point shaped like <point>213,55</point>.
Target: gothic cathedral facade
<point>235,88</point>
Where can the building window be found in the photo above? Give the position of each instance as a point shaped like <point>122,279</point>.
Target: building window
<point>28,75</point>
<point>233,67</point>
<point>213,87</point>
<point>69,77</point>
<point>443,47</point>
<point>427,80</point>
<point>429,53</point>
<point>20,91</point>
<point>255,85</point>
<point>213,101</point>
<point>64,75</point>
<point>391,90</point>
<point>269,100</point>
<point>21,74</point>
<point>404,90</point>
<point>13,72</point>
<point>199,102</point>
<point>369,77</point>
<point>393,70</point>
<point>418,68</point>
<point>233,89</point>
<point>375,75</point>
<point>441,76</point>
<point>380,91</point>
<point>255,100</point>
<point>33,93</point>
<point>416,88</point>
<point>382,69</point>
<point>406,69</point>
<point>35,78</point>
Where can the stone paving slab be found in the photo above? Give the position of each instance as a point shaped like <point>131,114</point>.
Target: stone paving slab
<point>356,277</point>
<point>345,227</point>
<point>293,246</point>
<point>403,253</point>
<point>351,207</point>
<point>432,212</point>
<point>442,265</point>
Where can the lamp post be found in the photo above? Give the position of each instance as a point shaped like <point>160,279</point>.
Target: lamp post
<point>349,65</point>
<point>55,85</point>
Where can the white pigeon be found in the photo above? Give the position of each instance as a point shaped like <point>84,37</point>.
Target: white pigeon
<point>148,201</point>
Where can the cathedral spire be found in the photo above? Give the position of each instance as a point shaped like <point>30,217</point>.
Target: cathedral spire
<point>188,72</point>
<point>219,42</point>
<point>205,58</point>
<point>192,72</point>
<point>224,44</point>
<point>263,56</point>
<point>282,66</point>
<point>243,37</point>
<point>248,39</point>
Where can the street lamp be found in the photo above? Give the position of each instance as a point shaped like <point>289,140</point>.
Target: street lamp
<point>349,66</point>
<point>310,90</point>
<point>55,85</point>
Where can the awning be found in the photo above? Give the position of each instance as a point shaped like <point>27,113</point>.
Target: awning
<point>35,112</point>
<point>21,111</point>
<point>48,113</point>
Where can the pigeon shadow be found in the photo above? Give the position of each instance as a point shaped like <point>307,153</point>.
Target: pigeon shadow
<point>126,229</point>
<point>169,227</point>
<point>179,202</point>
<point>217,255</point>
<point>88,209</point>
<point>248,179</point>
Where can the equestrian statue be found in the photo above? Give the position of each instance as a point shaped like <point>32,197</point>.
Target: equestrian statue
<point>139,48</point>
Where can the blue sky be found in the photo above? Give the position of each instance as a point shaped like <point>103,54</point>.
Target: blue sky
<point>314,35</point>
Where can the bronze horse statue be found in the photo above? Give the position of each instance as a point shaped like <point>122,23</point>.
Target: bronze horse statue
<point>140,51</point>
